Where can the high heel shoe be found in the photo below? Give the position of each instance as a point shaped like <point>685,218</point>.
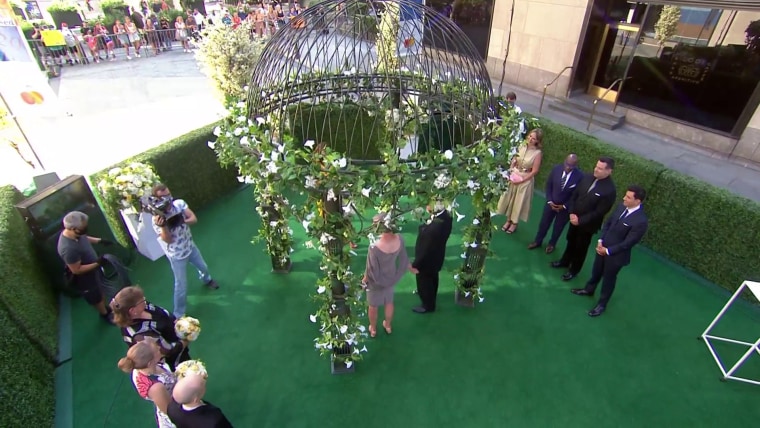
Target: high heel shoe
<point>388,330</point>
<point>512,228</point>
<point>506,227</point>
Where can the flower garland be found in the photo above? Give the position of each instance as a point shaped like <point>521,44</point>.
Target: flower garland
<point>123,187</point>
<point>274,163</point>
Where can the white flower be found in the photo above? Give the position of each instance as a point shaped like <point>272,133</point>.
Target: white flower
<point>343,329</point>
<point>191,367</point>
<point>242,119</point>
<point>448,154</point>
<point>474,245</point>
<point>273,224</point>
<point>463,255</point>
<point>217,131</point>
<point>306,224</point>
<point>313,318</point>
<point>460,217</point>
<point>211,145</point>
<point>238,131</point>
<point>244,141</point>
<point>362,328</point>
<point>467,294</point>
<point>187,328</point>
<point>365,192</point>
<point>331,195</point>
<point>308,244</point>
<point>325,238</point>
<point>272,167</point>
<point>475,221</point>
<point>311,182</point>
<point>321,289</point>
<point>476,160</point>
<point>260,121</point>
<point>241,104</point>
<point>309,144</point>
<point>491,152</point>
<point>481,299</point>
<point>349,363</point>
<point>340,163</point>
<point>442,181</point>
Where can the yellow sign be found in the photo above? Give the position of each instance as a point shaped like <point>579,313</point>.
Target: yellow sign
<point>53,38</point>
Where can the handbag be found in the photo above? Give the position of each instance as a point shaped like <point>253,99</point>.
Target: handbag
<point>516,178</point>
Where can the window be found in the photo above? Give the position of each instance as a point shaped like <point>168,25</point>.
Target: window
<point>702,70</point>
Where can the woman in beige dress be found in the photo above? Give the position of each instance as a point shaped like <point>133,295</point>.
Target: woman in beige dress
<point>387,261</point>
<point>515,202</point>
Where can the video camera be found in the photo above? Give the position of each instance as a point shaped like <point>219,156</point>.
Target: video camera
<point>163,207</point>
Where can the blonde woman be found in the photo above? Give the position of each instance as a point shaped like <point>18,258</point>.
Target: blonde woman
<point>152,378</point>
<point>515,202</point>
<point>140,320</point>
<point>133,35</point>
<point>182,36</point>
<point>387,261</point>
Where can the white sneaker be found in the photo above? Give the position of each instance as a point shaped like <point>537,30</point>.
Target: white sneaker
<point>138,55</point>
<point>129,57</point>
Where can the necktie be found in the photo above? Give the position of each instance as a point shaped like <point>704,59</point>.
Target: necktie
<point>565,176</point>
<point>624,215</point>
<point>592,186</point>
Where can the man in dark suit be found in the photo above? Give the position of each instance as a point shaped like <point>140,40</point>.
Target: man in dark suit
<point>560,185</point>
<point>622,230</point>
<point>429,252</point>
<point>591,200</point>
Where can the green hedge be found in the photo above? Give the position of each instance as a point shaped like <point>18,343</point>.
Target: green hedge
<point>187,165</point>
<point>706,229</point>
<point>28,325</point>
<point>24,289</point>
<point>346,128</point>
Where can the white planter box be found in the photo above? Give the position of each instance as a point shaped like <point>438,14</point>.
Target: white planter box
<point>140,226</point>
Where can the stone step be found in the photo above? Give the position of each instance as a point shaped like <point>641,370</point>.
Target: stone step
<point>581,106</point>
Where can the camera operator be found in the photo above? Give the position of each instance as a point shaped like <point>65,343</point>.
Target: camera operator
<point>172,224</point>
<point>82,262</point>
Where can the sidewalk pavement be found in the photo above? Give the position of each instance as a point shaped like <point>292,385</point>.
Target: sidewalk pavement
<point>678,155</point>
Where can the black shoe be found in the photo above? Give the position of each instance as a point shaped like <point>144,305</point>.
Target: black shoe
<point>598,310</point>
<point>421,310</point>
<point>212,285</point>
<point>558,264</point>
<point>568,276</point>
<point>582,292</point>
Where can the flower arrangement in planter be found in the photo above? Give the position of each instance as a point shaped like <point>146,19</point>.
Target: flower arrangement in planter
<point>123,186</point>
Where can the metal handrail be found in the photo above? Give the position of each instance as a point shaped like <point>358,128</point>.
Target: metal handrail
<point>604,94</point>
<point>541,106</point>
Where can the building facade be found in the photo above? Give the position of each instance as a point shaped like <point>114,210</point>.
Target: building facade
<point>688,69</point>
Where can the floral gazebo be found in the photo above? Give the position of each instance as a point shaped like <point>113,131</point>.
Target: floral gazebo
<point>367,106</point>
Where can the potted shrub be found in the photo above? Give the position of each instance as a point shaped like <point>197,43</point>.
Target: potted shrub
<point>61,11</point>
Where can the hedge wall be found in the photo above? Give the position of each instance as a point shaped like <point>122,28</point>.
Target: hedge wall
<point>187,165</point>
<point>706,229</point>
<point>28,325</point>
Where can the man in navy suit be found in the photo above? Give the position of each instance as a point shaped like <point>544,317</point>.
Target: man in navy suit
<point>622,230</point>
<point>562,181</point>
<point>429,254</point>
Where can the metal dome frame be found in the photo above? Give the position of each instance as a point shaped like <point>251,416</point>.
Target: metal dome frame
<point>331,69</point>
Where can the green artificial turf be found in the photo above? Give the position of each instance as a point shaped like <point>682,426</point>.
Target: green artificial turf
<point>528,356</point>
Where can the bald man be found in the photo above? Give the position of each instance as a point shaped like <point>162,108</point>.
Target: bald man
<point>560,185</point>
<point>187,408</point>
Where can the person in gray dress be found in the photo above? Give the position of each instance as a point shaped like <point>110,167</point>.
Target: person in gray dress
<point>387,261</point>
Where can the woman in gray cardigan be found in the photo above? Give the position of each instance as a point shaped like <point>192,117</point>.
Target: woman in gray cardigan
<point>387,262</point>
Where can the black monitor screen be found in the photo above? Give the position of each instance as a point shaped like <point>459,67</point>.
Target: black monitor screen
<point>44,212</point>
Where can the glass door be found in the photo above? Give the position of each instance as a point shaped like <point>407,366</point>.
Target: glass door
<point>618,45</point>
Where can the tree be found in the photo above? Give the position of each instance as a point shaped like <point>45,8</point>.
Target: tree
<point>227,56</point>
<point>667,24</point>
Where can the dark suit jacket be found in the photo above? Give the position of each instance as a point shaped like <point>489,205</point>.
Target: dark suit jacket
<point>619,236</point>
<point>590,207</point>
<point>554,191</point>
<point>430,249</point>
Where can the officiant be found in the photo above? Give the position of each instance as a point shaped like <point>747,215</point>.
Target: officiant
<point>515,202</point>
<point>429,253</point>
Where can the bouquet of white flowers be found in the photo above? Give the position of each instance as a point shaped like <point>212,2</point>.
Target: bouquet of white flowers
<point>124,186</point>
<point>191,367</point>
<point>187,328</point>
